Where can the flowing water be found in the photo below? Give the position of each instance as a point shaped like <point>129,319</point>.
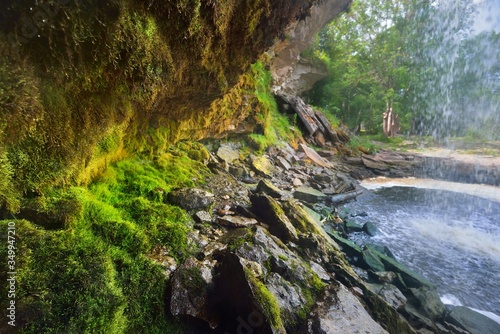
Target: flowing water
<point>448,232</point>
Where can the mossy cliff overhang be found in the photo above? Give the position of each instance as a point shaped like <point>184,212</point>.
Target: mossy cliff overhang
<point>85,82</point>
<point>291,73</point>
<point>204,45</point>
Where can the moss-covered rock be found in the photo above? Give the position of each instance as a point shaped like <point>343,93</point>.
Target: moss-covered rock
<point>272,213</point>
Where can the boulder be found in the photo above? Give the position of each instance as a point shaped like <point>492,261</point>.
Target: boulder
<point>410,278</point>
<point>192,286</point>
<point>341,312</point>
<point>228,153</point>
<point>390,293</point>
<point>348,247</point>
<point>270,211</point>
<point>300,218</point>
<point>263,166</point>
<point>308,194</point>
<point>370,229</point>
<point>288,295</point>
<point>428,302</point>
<point>371,261</point>
<point>246,303</point>
<point>238,171</point>
<point>351,226</point>
<point>191,198</point>
<point>472,321</point>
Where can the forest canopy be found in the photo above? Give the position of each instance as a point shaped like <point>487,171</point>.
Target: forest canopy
<point>421,58</point>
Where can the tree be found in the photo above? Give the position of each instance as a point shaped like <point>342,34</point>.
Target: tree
<point>415,56</point>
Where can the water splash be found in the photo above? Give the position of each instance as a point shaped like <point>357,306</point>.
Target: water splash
<point>459,234</point>
<point>459,69</point>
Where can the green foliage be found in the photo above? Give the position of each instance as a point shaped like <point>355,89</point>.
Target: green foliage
<point>362,144</point>
<point>368,68</point>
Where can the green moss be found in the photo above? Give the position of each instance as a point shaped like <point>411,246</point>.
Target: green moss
<point>192,280</point>
<point>8,192</point>
<point>92,274</point>
<point>266,300</point>
<point>275,125</point>
<point>238,238</point>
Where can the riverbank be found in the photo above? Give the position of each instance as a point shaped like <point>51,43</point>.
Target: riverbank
<point>217,238</point>
<point>293,195</point>
<point>435,163</point>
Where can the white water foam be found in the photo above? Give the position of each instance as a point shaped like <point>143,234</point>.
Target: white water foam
<point>490,315</point>
<point>491,193</point>
<point>467,238</point>
<point>449,299</point>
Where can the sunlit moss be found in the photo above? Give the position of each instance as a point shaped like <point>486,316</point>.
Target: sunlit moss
<point>266,300</point>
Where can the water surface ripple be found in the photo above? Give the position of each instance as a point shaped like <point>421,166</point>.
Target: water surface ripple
<point>451,237</point>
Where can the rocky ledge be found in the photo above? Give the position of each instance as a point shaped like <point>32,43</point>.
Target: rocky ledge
<point>439,164</point>
<point>272,255</point>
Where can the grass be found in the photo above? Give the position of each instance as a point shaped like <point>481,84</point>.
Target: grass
<point>360,144</point>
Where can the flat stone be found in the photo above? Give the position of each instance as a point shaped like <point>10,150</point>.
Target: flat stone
<point>309,194</point>
<point>202,217</point>
<point>315,157</point>
<point>297,182</point>
<point>268,188</point>
<point>323,178</point>
<point>342,312</point>
<point>474,322</point>
<point>374,163</point>
<point>263,166</point>
<point>236,221</point>
<point>283,163</point>
<point>228,153</point>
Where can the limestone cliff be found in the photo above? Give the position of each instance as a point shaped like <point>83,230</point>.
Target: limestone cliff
<point>293,74</point>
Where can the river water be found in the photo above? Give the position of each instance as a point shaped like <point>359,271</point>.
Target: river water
<point>449,232</point>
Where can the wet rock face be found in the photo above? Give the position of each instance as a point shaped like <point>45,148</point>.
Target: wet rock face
<point>473,322</point>
<point>270,211</point>
<point>341,312</point>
